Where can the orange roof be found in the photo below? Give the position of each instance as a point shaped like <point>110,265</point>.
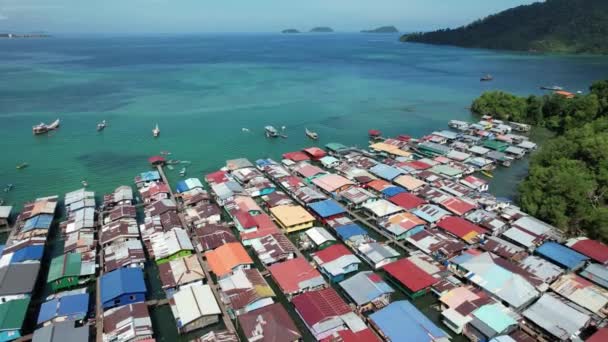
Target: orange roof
<point>564,93</point>
<point>378,184</point>
<point>225,258</point>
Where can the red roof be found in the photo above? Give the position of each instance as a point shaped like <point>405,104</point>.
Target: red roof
<point>245,219</point>
<point>593,249</point>
<point>461,228</point>
<point>315,152</point>
<point>317,306</point>
<point>158,188</point>
<point>292,181</point>
<point>156,160</point>
<point>410,275</point>
<point>374,132</point>
<point>407,200</point>
<point>416,165</point>
<point>332,252</point>
<point>365,335</point>
<point>403,137</point>
<point>457,206</point>
<point>216,177</point>
<point>600,336</point>
<point>264,221</point>
<point>296,156</point>
<point>289,274</point>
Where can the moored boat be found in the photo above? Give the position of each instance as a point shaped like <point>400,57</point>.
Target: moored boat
<point>182,172</point>
<point>101,126</point>
<point>156,131</point>
<point>271,132</point>
<point>553,88</point>
<point>312,135</point>
<point>486,78</point>
<point>8,188</point>
<point>22,166</point>
<point>487,174</point>
<point>42,128</point>
<point>84,183</point>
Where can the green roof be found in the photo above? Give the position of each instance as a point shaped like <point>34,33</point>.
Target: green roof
<point>67,265</point>
<point>12,314</point>
<point>495,316</point>
<point>496,145</point>
<point>446,170</point>
<point>335,147</point>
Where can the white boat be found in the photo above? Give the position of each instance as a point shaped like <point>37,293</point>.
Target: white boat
<point>271,132</point>
<point>84,183</point>
<point>101,125</point>
<point>156,131</point>
<point>44,128</point>
<point>182,172</point>
<point>312,135</point>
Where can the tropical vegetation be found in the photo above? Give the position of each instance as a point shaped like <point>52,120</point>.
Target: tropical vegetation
<point>567,184</point>
<point>572,26</point>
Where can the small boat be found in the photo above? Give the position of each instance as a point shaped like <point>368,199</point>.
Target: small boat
<point>486,78</point>
<point>156,131</point>
<point>182,172</point>
<point>101,126</point>
<point>312,135</point>
<point>553,88</point>
<point>165,153</point>
<point>22,166</point>
<point>42,128</point>
<point>84,183</point>
<point>244,129</point>
<point>271,132</point>
<point>170,167</point>
<point>487,174</point>
<point>8,188</point>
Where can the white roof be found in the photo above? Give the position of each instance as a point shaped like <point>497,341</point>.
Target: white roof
<point>165,244</point>
<point>382,208</point>
<point>527,144</point>
<point>519,236</point>
<point>533,225</point>
<point>319,235</point>
<point>193,302</point>
<point>193,183</point>
<point>457,155</point>
<point>559,319</point>
<point>78,195</point>
<point>479,149</point>
<point>237,280</point>
<point>377,252</point>
<point>5,211</point>
<point>337,266</point>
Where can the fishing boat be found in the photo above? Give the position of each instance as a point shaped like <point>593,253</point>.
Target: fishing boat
<point>244,129</point>
<point>487,174</point>
<point>101,126</point>
<point>8,188</point>
<point>553,88</point>
<point>42,128</point>
<point>182,172</point>
<point>271,132</point>
<point>22,166</point>
<point>312,135</point>
<point>84,183</point>
<point>156,131</point>
<point>486,78</point>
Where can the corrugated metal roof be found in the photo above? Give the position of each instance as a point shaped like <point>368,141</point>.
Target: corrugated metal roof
<point>66,265</point>
<point>401,321</point>
<point>386,172</point>
<point>271,322</point>
<point>365,287</point>
<point>561,254</point>
<point>317,306</point>
<point>496,316</point>
<point>61,332</point>
<point>42,221</point>
<point>70,307</point>
<point>326,208</point>
<point>12,314</point>
<point>410,275</point>
<point>591,248</point>
<point>28,253</point>
<point>193,302</point>
<point>350,230</point>
<point>122,281</point>
<point>557,318</point>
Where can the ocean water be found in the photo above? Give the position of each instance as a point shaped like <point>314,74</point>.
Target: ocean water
<point>202,90</point>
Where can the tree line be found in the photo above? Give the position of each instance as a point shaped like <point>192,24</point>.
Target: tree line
<point>567,184</point>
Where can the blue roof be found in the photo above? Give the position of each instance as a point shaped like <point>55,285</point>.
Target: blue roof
<point>386,171</point>
<point>42,221</point>
<point>401,321</point>
<point>350,230</point>
<point>28,253</point>
<point>561,254</point>
<point>1,249</point>
<point>263,162</point>
<point>73,307</point>
<point>149,176</point>
<point>393,190</point>
<point>182,186</point>
<point>326,208</point>
<point>122,281</point>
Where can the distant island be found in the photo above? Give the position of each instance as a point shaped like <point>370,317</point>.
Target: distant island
<point>382,29</point>
<point>322,29</point>
<point>290,31</point>
<point>566,26</point>
<point>27,35</point>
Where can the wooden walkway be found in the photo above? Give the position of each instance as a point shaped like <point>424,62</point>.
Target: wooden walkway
<point>225,317</point>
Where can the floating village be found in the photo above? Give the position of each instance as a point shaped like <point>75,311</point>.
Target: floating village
<point>398,242</point>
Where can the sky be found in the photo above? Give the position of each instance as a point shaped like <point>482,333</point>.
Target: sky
<point>194,16</point>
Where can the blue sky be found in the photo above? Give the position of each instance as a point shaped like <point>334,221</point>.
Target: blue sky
<point>190,16</point>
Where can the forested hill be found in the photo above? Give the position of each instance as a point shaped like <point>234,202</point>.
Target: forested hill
<point>572,26</point>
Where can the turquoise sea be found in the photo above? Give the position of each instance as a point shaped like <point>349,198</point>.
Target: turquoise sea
<point>202,90</point>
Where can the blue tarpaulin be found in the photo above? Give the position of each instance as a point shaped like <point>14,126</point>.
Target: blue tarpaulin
<point>28,253</point>
<point>182,186</point>
<point>326,208</point>
<point>42,221</point>
<point>72,307</point>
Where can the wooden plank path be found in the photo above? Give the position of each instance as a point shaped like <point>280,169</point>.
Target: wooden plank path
<point>225,317</point>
